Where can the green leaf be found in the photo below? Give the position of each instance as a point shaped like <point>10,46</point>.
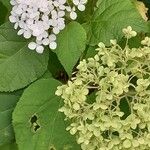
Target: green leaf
<point>54,65</point>
<point>6,3</point>
<point>19,66</point>
<point>3,13</point>
<point>37,123</point>
<point>5,8</point>
<point>7,104</point>
<point>111,17</point>
<point>91,52</point>
<point>12,146</point>
<point>47,75</point>
<point>85,16</point>
<point>71,44</point>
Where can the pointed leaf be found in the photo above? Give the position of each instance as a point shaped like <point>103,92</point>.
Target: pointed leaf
<point>37,123</point>
<point>71,44</point>
<point>7,104</point>
<point>111,17</point>
<point>19,66</point>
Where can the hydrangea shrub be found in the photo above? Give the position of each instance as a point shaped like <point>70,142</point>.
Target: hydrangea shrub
<point>115,75</point>
<point>60,89</point>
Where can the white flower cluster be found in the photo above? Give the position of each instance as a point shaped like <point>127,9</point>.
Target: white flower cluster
<point>108,101</point>
<point>43,19</point>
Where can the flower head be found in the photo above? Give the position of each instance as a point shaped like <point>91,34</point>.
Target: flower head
<point>42,19</point>
<point>108,101</point>
<point>129,33</point>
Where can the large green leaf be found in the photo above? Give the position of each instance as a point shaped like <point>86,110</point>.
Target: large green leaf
<point>19,66</point>
<point>12,146</point>
<point>54,65</point>
<point>3,13</point>
<point>109,19</point>
<point>85,16</point>
<point>37,123</point>
<point>7,104</point>
<point>71,44</point>
<point>6,3</point>
<point>5,8</point>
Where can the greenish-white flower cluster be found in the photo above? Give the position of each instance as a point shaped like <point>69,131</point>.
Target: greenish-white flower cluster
<point>108,100</point>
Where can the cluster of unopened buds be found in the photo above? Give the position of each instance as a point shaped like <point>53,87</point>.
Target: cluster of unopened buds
<point>43,19</point>
<point>108,100</point>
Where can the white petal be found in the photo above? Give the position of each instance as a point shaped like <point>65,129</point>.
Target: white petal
<point>39,42</point>
<point>39,38</point>
<point>76,2</point>
<point>68,8</point>
<point>61,13</point>
<point>27,34</point>
<point>62,7</point>
<point>16,26</point>
<point>32,45</point>
<point>40,49</point>
<point>73,15</point>
<point>62,1</point>
<point>54,14</point>
<point>61,26</point>
<point>53,45</point>
<point>56,4</point>
<point>81,7</point>
<point>53,22</point>
<point>52,37</point>
<point>56,30</point>
<point>46,41</point>
<point>12,19</point>
<point>20,32</point>
<point>45,18</point>
<point>18,11</point>
<point>83,1</point>
<point>29,21</point>
<point>45,34</point>
<point>13,2</point>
